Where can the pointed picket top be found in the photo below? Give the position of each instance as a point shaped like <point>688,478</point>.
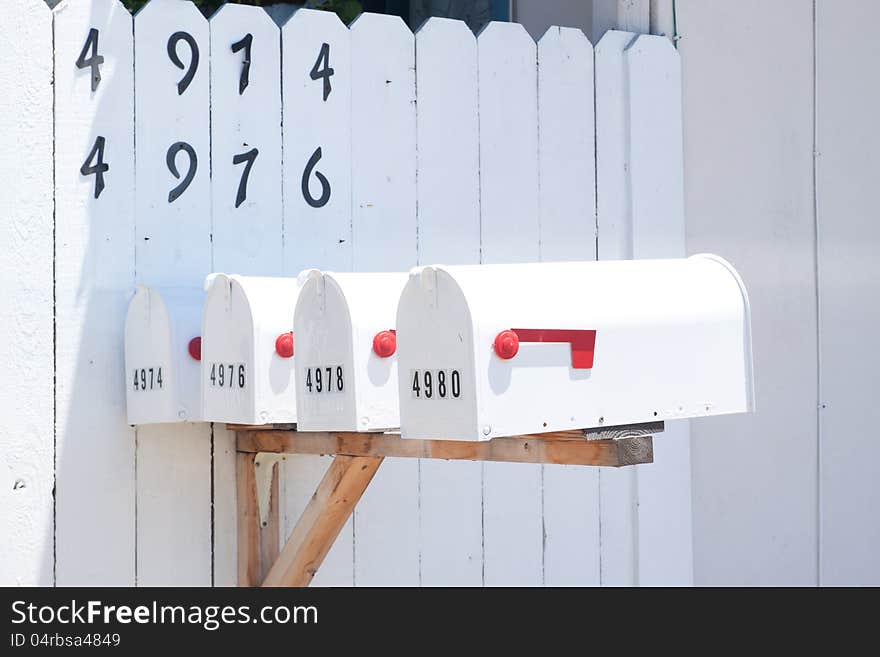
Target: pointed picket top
<point>370,19</point>
<point>251,13</point>
<point>178,7</point>
<point>493,29</point>
<point>317,17</point>
<point>446,25</point>
<point>657,48</point>
<point>65,5</point>
<point>565,37</point>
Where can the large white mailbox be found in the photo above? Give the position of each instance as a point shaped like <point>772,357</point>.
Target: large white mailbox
<point>248,349</point>
<point>162,351</point>
<point>347,351</point>
<point>500,350</point>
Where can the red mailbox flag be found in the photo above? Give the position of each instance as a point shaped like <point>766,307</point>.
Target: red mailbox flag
<point>583,343</point>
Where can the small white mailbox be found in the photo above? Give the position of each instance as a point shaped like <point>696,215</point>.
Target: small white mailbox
<point>346,376</point>
<point>248,349</point>
<point>499,350</point>
<point>162,351</point>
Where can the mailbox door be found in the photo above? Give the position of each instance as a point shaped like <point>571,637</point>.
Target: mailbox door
<point>436,375</point>
<point>228,355</point>
<point>326,377</point>
<point>148,363</point>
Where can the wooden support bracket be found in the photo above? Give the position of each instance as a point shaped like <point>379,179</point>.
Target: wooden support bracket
<point>357,458</point>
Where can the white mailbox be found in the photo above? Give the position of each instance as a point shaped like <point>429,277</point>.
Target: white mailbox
<point>499,350</point>
<point>162,351</point>
<point>247,349</point>
<point>347,352</point>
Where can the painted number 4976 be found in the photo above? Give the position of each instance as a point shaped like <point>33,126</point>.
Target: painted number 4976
<point>436,384</point>
<point>227,375</point>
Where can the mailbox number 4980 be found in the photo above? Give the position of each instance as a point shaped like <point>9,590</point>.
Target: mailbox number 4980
<point>436,384</point>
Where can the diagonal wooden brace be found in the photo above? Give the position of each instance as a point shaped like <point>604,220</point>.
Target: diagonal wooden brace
<point>330,507</point>
<point>258,529</point>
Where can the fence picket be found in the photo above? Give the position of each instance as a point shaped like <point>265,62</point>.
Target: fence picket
<point>568,232</point>
<point>665,535</point>
<point>383,165</point>
<point>26,408</point>
<point>451,529</point>
<point>316,71</point>
<point>245,200</point>
<point>173,247</point>
<point>512,493</point>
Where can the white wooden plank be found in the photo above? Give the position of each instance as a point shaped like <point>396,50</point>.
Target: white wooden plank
<point>172,248</point>
<point>245,115</point>
<point>383,147</point>
<point>451,522</point>
<point>508,112</point>
<point>750,197</point>
<point>94,280</point>
<point>383,164</point>
<point>847,146</point>
<point>317,116</point>
<point>665,536</point>
<point>26,206</point>
<point>568,232</point>
<point>245,201</point>
<point>317,232</point>
<point>567,146</point>
<point>224,549</point>
<point>617,487</point>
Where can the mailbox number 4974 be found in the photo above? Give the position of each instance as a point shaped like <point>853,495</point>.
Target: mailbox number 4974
<point>436,384</point>
<point>148,378</point>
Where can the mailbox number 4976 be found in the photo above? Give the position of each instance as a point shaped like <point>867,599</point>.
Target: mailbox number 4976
<point>436,384</point>
<point>227,375</point>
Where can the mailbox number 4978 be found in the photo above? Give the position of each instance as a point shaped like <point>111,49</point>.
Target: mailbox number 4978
<point>436,384</point>
<point>324,379</point>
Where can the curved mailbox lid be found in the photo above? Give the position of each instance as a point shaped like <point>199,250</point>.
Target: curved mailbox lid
<point>247,377</point>
<point>162,377</point>
<point>338,318</point>
<point>672,340</point>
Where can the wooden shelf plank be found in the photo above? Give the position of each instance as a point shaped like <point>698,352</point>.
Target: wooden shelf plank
<point>560,448</point>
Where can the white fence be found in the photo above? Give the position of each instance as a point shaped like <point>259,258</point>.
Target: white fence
<point>184,146</point>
